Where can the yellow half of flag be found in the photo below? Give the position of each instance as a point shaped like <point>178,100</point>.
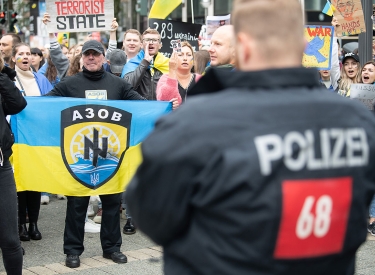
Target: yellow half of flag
<point>162,8</point>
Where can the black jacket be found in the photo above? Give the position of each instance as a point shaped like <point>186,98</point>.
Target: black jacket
<point>142,80</point>
<point>77,85</point>
<point>271,175</point>
<point>12,102</point>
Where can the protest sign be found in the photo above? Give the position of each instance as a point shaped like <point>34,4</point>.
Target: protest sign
<point>80,15</point>
<point>172,30</point>
<point>364,93</point>
<point>318,52</point>
<point>349,14</point>
<point>214,22</point>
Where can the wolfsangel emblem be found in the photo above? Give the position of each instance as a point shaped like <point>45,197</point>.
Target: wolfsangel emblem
<point>94,139</point>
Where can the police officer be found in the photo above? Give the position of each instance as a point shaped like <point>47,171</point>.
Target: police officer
<point>264,174</point>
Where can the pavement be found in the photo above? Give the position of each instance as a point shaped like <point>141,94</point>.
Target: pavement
<point>46,256</point>
<point>144,257</point>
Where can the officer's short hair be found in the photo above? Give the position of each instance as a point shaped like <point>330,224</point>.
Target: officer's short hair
<point>276,25</point>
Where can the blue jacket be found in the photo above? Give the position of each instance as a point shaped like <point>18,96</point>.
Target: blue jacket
<point>43,83</point>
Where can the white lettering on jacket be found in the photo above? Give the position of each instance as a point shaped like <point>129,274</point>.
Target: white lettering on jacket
<point>338,148</point>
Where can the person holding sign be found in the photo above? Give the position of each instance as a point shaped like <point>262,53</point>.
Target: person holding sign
<point>247,178</point>
<point>30,84</point>
<point>176,84</point>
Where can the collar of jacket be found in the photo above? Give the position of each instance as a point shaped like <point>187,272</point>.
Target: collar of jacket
<point>217,79</point>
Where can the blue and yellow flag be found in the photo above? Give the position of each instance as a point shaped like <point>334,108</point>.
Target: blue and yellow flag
<point>80,147</point>
<point>161,63</point>
<point>329,9</point>
<point>162,8</point>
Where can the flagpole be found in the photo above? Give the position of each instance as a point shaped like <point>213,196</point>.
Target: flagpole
<point>192,12</point>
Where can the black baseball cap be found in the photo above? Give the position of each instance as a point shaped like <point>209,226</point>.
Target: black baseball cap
<point>350,55</point>
<point>93,45</point>
<point>117,60</point>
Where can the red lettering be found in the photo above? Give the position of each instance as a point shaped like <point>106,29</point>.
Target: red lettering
<point>69,7</point>
<point>76,7</point>
<point>319,31</point>
<point>311,32</point>
<point>87,6</point>
<point>72,7</point>
<point>328,32</point>
<point>58,4</point>
<point>63,8</point>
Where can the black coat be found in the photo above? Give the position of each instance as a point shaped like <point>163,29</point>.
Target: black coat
<point>267,173</point>
<point>75,86</point>
<point>142,80</point>
<point>12,102</point>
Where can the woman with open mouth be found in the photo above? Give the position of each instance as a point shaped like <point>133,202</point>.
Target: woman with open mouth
<point>368,73</point>
<point>30,84</point>
<point>350,73</point>
<point>180,78</point>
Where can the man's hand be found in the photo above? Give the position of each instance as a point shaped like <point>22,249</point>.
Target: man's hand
<point>114,25</point>
<point>335,23</point>
<point>175,104</point>
<point>147,57</point>
<point>46,18</point>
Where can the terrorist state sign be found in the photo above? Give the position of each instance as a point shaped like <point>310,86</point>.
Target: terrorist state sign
<point>319,47</point>
<point>349,13</point>
<point>80,15</point>
<point>170,31</point>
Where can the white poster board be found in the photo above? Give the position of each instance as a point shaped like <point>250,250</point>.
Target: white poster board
<point>80,15</point>
<point>364,93</point>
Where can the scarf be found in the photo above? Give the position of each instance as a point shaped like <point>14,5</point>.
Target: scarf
<point>26,81</point>
<point>160,63</point>
<point>94,75</point>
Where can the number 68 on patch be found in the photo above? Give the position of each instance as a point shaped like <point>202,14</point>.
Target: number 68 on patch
<point>314,217</point>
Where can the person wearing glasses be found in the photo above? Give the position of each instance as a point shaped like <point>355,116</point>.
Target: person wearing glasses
<point>111,87</point>
<point>144,71</point>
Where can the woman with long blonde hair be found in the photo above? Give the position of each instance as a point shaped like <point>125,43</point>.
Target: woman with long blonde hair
<point>350,73</point>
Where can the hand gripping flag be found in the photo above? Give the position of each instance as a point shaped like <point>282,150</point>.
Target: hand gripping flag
<point>162,8</point>
<point>80,147</point>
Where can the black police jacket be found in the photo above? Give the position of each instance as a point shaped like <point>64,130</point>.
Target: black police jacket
<point>271,175</point>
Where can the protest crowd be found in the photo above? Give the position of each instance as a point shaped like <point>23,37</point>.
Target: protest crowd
<point>253,142</point>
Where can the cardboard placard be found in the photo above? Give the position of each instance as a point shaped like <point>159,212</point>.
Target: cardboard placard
<point>172,30</point>
<point>215,22</point>
<point>349,14</point>
<point>364,93</point>
<point>318,52</point>
<point>80,15</point>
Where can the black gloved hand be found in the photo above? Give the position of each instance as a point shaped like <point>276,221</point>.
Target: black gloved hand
<point>11,73</point>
